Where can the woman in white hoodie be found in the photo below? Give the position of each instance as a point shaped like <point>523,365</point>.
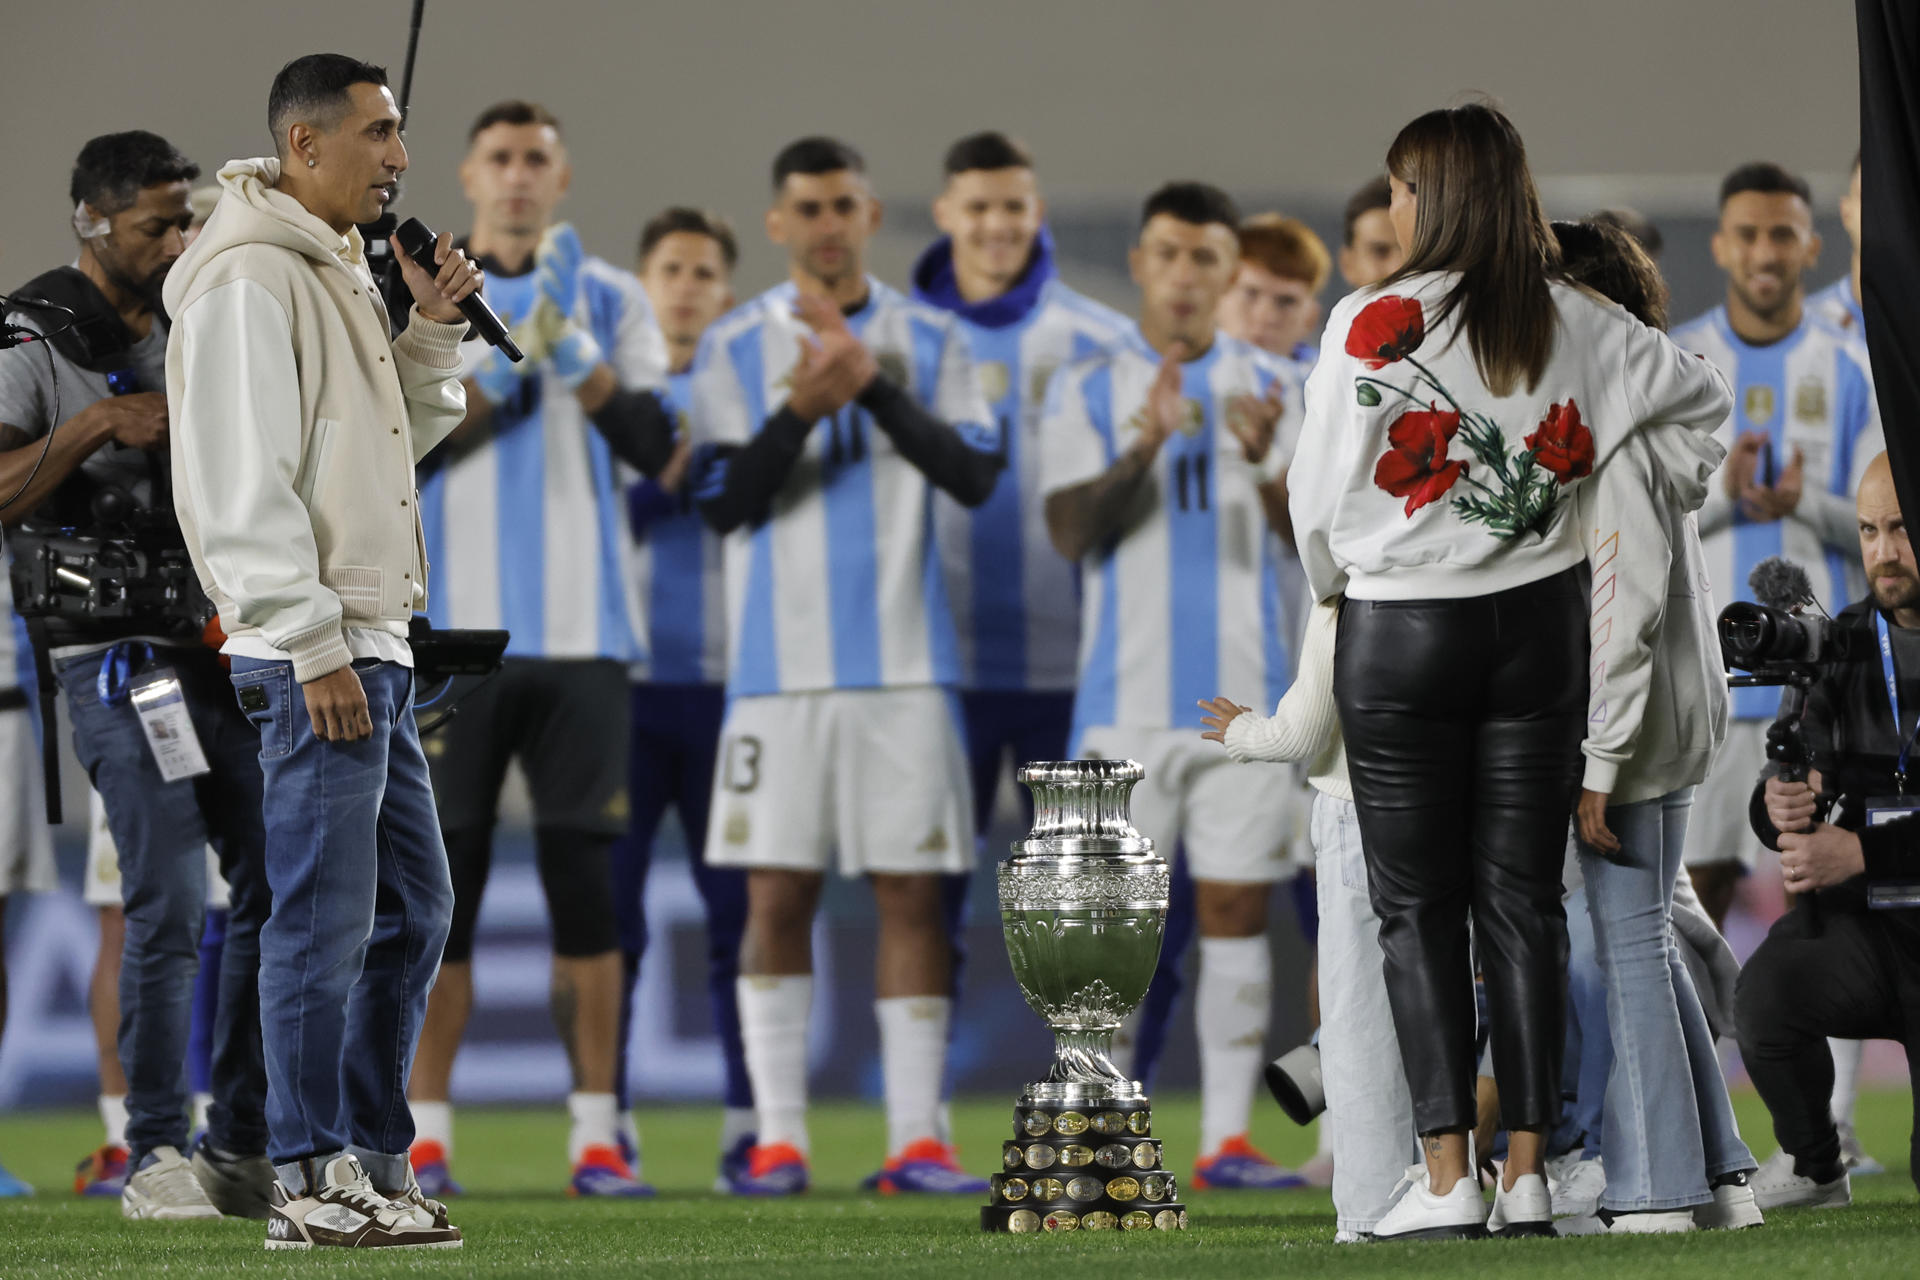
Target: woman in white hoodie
<point>1454,407</point>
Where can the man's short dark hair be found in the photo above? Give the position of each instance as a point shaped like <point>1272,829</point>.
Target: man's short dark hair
<point>815,155</point>
<point>699,222</point>
<point>314,89</point>
<point>1765,177</point>
<point>1199,203</point>
<point>1634,223</point>
<point>113,168</point>
<point>512,111</point>
<point>1375,195</point>
<point>990,150</point>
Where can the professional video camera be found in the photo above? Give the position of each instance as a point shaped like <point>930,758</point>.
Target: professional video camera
<point>132,575</point>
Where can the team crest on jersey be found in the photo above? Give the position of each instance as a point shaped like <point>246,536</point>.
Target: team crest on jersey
<point>1192,417</point>
<point>1759,404</point>
<point>1037,386</point>
<point>1810,401</point>
<point>893,365</point>
<point>993,379</point>
<point>736,831</point>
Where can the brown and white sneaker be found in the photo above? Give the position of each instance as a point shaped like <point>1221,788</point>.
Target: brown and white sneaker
<point>427,1212</point>
<point>344,1212</point>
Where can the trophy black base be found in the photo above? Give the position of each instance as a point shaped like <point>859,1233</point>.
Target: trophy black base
<point>1082,1160</point>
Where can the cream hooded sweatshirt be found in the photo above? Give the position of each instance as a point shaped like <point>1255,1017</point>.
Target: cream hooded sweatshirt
<point>296,423</point>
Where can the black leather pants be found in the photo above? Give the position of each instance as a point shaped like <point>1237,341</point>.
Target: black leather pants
<point>1463,721</point>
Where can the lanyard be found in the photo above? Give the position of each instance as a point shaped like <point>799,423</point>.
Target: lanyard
<point>1893,700</point>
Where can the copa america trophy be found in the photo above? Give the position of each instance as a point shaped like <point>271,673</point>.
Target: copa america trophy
<point>1083,902</point>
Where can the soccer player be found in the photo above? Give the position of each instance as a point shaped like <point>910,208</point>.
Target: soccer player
<point>1162,464</point>
<point>1839,303</point>
<point>1803,428</point>
<point>686,264</point>
<point>526,529</point>
<point>1369,251</point>
<point>830,408</point>
<point>1274,303</point>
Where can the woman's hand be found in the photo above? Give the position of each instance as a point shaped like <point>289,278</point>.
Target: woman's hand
<point>1590,817</point>
<point>1222,710</point>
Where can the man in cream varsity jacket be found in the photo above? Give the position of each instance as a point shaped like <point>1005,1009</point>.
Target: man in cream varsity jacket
<point>296,424</point>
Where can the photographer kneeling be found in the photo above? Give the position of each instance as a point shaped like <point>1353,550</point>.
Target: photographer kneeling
<point>1846,961</point>
<point>101,572</point>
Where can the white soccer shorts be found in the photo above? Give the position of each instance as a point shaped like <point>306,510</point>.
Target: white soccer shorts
<point>26,847</point>
<point>1719,830</point>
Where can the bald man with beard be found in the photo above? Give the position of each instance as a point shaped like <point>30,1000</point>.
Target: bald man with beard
<point>1845,961</point>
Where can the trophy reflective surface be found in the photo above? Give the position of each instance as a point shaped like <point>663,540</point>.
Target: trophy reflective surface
<point>1083,902</point>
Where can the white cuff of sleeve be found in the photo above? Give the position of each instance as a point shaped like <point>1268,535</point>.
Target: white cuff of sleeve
<point>1601,775</point>
<point>1248,738</point>
<point>318,651</point>
<point>430,343</point>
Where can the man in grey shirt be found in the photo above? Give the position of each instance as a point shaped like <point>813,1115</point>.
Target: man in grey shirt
<point>83,439</point>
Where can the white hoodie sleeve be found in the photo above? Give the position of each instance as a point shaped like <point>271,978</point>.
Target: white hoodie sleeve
<point>1318,472</point>
<point>426,355</point>
<point>1668,385</point>
<point>1306,718</point>
<point>237,442</point>
<point>1630,553</point>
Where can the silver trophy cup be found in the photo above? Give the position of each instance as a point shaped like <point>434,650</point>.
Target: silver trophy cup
<point>1083,902</point>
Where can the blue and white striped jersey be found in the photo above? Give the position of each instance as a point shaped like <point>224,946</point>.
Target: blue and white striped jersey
<point>840,588</point>
<point>676,575</point>
<point>1808,391</point>
<point>1015,602</point>
<point>1186,605</point>
<point>528,530</point>
<point>1838,307</point>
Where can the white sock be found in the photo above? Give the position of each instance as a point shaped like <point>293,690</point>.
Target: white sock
<point>113,1116</point>
<point>1846,1077</point>
<point>596,1123</point>
<point>946,1121</point>
<point>773,1031</point>
<point>197,1112</point>
<point>433,1122</point>
<point>735,1123</point>
<point>913,1056</point>
<point>1231,1010</point>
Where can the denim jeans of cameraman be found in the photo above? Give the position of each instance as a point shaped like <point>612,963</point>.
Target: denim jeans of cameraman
<point>161,830</point>
<point>362,903</point>
<point>1664,1140</point>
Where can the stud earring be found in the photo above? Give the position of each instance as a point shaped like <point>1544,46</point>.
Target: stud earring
<point>311,162</point>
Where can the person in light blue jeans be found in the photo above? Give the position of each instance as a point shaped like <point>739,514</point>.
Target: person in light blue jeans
<point>355,840</point>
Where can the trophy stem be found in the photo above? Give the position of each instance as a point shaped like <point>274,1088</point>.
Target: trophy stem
<point>1084,1055</point>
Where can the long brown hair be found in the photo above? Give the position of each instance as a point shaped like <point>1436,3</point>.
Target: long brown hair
<point>1479,215</point>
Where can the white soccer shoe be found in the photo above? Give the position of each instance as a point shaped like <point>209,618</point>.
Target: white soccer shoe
<point>1776,1186</point>
<point>1419,1214</point>
<point>1579,1188</point>
<point>164,1189</point>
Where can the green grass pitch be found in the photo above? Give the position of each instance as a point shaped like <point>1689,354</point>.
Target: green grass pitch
<point>518,1224</point>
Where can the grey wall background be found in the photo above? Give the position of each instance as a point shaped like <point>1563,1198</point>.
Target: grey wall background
<point>1288,102</point>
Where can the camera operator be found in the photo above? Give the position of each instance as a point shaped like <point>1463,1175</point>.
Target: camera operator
<point>83,437</point>
<point>1832,966</point>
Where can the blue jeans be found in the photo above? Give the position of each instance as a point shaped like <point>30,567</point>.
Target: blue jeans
<point>161,830</point>
<point>361,906</point>
<point>1589,1056</point>
<point>1664,1143</point>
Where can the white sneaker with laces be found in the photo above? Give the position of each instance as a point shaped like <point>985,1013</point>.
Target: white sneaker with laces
<point>165,1189</point>
<point>1733,1206</point>
<point>1776,1186</point>
<point>1578,1192</point>
<point>1419,1214</point>
<point>345,1212</point>
<point>1525,1209</point>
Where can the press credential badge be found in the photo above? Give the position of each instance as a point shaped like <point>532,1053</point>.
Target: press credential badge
<point>169,729</point>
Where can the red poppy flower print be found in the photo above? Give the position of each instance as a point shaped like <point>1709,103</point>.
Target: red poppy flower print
<point>1562,444</point>
<point>1415,465</point>
<point>1387,329</point>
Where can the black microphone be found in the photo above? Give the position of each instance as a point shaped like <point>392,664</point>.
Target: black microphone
<point>416,239</point>
<point>1780,583</point>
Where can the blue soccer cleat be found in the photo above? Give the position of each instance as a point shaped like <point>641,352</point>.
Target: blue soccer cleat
<point>602,1174</point>
<point>12,1188</point>
<point>1237,1165</point>
<point>776,1170</point>
<point>928,1167</point>
<point>734,1165</point>
<point>102,1173</point>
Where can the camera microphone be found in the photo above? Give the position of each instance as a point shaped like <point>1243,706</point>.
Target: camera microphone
<point>1780,583</point>
<point>416,240</point>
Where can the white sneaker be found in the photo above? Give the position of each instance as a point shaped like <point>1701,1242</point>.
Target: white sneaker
<point>164,1189</point>
<point>1776,1186</point>
<point>1733,1206</point>
<point>345,1212</point>
<point>1558,1167</point>
<point>1524,1210</point>
<point>1419,1214</point>
<point>1854,1156</point>
<point>1604,1223</point>
<point>1579,1190</point>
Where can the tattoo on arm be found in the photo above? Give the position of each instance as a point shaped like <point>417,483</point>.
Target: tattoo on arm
<point>1086,515</point>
